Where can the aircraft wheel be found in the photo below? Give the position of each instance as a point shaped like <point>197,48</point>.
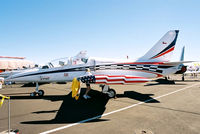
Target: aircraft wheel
<point>33,94</point>
<point>111,93</point>
<point>41,93</point>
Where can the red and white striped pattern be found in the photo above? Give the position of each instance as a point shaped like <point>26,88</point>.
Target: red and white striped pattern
<point>119,79</point>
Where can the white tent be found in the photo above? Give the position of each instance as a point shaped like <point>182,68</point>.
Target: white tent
<point>15,64</point>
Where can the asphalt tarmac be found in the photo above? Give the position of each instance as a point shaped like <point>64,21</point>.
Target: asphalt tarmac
<point>150,108</point>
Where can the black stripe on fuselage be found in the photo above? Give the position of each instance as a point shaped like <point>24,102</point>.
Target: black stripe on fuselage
<point>54,71</point>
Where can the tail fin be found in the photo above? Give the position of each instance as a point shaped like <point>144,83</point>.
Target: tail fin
<point>181,67</point>
<point>182,54</point>
<point>162,50</point>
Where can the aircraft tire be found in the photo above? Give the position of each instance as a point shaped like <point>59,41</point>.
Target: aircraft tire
<point>111,93</point>
<point>41,93</point>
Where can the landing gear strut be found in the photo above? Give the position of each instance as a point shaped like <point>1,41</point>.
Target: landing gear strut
<point>183,77</point>
<point>107,90</point>
<point>37,91</point>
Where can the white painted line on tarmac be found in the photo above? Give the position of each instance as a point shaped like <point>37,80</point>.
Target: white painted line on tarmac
<point>119,110</point>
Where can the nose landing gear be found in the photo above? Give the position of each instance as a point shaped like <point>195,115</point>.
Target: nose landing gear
<point>37,91</point>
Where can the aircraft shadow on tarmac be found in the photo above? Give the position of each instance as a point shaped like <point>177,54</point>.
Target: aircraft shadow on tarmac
<point>138,96</point>
<point>154,84</point>
<point>187,80</point>
<point>72,111</point>
<point>165,82</point>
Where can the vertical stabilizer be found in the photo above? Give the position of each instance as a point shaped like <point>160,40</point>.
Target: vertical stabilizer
<point>182,54</point>
<point>163,49</point>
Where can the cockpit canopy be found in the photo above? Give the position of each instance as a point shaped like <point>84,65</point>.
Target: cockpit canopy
<point>80,58</point>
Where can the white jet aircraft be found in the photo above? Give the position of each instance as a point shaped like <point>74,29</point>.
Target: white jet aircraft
<point>155,63</point>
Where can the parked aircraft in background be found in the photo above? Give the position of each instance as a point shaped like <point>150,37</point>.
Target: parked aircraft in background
<point>155,63</point>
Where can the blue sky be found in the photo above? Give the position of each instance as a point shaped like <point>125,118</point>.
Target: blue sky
<point>42,30</point>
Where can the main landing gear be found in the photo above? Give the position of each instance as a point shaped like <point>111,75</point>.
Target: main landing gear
<point>183,77</point>
<point>37,91</point>
<point>107,90</point>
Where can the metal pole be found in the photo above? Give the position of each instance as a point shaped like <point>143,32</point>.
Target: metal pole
<point>8,116</point>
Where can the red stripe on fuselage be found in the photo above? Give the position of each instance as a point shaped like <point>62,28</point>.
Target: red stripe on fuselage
<point>114,79</point>
<point>127,77</point>
<point>158,75</point>
<point>121,82</point>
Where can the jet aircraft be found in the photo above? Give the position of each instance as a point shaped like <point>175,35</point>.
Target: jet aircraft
<point>155,63</point>
<point>192,67</point>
